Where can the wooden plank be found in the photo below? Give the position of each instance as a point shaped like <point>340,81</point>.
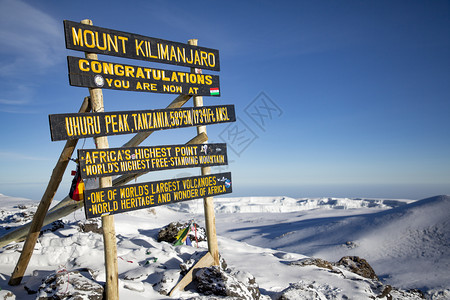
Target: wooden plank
<point>206,261</point>
<point>114,200</point>
<point>208,202</point>
<point>116,161</point>
<point>105,41</point>
<point>108,75</point>
<point>75,126</point>
<point>46,200</point>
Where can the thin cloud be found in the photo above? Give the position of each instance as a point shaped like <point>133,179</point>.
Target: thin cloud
<point>19,111</point>
<point>28,37</point>
<point>17,98</point>
<point>13,102</point>
<point>19,156</point>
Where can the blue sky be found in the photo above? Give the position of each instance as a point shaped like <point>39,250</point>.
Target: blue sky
<point>333,98</point>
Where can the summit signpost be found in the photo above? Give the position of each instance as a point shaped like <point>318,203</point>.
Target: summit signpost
<point>130,160</point>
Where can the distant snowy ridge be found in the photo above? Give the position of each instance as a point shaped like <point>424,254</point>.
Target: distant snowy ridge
<point>282,204</point>
<point>409,243</point>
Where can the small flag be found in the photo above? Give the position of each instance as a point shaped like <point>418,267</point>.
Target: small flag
<point>214,91</point>
<point>181,236</point>
<point>77,187</point>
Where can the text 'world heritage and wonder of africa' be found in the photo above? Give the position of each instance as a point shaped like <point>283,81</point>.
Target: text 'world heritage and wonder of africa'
<point>113,200</point>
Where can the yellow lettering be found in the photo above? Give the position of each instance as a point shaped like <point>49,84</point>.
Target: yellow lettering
<point>123,39</point>
<point>98,44</point>
<point>96,67</point>
<point>108,68</point>
<point>211,60</point>
<point>81,64</point>
<point>91,34</point>
<point>129,71</point>
<point>77,37</point>
<point>208,79</point>
<point>139,49</point>
<point>113,43</point>
<point>118,70</point>
<point>204,58</point>
<point>139,73</point>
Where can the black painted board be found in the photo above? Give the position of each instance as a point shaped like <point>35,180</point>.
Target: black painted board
<point>132,160</point>
<point>85,72</point>
<point>76,126</point>
<point>106,41</point>
<point>115,200</point>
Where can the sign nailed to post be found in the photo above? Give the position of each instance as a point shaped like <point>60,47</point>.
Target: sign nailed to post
<point>101,74</point>
<point>76,126</point>
<point>121,199</point>
<point>115,161</point>
<point>100,40</point>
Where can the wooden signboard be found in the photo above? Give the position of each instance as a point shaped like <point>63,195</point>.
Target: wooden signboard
<point>115,161</point>
<point>76,126</point>
<point>114,200</point>
<point>99,40</point>
<point>85,72</point>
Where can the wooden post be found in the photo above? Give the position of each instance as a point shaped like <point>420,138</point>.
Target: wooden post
<point>210,218</point>
<point>39,216</point>
<point>109,233</point>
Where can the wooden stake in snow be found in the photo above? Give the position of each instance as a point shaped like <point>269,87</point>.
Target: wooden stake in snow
<point>210,218</point>
<point>39,216</point>
<point>109,233</point>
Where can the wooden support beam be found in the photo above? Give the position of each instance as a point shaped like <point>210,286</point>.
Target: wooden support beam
<point>210,218</point>
<point>206,261</point>
<point>46,200</point>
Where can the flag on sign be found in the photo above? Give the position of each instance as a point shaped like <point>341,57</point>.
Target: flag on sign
<point>214,91</point>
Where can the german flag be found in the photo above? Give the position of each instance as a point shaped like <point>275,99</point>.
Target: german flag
<point>77,187</point>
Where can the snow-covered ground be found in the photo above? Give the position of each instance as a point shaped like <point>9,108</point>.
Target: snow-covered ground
<point>406,242</point>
